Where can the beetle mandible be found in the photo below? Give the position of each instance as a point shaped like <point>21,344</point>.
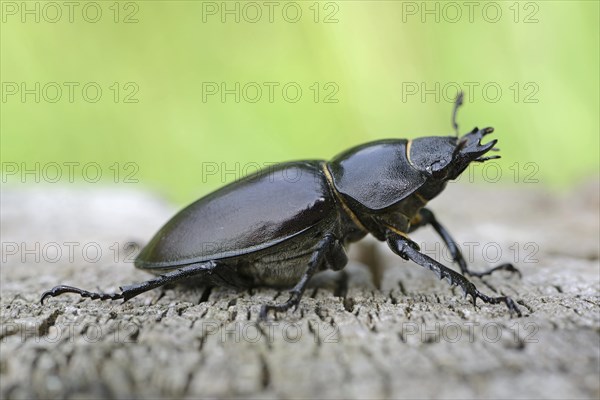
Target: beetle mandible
<point>269,230</point>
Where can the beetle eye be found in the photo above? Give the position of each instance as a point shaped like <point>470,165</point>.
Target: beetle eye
<point>436,165</point>
<point>437,169</point>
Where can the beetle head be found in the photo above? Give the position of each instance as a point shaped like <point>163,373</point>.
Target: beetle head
<point>443,158</point>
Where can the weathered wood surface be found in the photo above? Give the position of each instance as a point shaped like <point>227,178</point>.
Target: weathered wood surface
<point>384,328</point>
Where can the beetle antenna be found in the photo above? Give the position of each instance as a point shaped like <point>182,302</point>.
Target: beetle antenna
<point>457,103</point>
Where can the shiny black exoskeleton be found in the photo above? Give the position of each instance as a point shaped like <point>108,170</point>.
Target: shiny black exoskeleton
<point>279,227</point>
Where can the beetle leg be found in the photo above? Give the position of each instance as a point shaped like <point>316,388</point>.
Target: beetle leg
<point>129,291</point>
<point>427,217</point>
<point>407,249</point>
<point>330,251</point>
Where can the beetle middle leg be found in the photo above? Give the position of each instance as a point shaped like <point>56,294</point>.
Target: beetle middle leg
<point>408,250</point>
<point>330,251</point>
<point>426,217</point>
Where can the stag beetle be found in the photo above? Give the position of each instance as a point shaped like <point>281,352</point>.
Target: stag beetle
<point>279,228</point>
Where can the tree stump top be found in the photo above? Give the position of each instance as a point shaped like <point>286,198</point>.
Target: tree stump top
<point>382,328</point>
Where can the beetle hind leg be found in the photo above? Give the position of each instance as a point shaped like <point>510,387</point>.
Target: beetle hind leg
<point>329,251</point>
<point>407,249</point>
<point>130,291</point>
<point>61,289</point>
<point>426,217</point>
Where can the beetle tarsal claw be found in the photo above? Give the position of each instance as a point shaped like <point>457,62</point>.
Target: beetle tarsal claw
<point>513,307</point>
<point>265,308</point>
<point>502,267</point>
<point>510,303</point>
<point>264,311</point>
<point>57,291</point>
<point>474,300</point>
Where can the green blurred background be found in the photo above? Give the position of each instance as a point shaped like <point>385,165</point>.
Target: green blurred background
<point>382,69</point>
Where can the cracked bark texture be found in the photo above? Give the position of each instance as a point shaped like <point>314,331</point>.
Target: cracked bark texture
<point>382,328</point>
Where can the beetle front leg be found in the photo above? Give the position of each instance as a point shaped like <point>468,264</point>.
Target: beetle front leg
<point>407,249</point>
<point>330,251</point>
<point>426,217</point>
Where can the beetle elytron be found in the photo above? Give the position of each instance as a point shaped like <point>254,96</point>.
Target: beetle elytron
<point>279,228</point>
